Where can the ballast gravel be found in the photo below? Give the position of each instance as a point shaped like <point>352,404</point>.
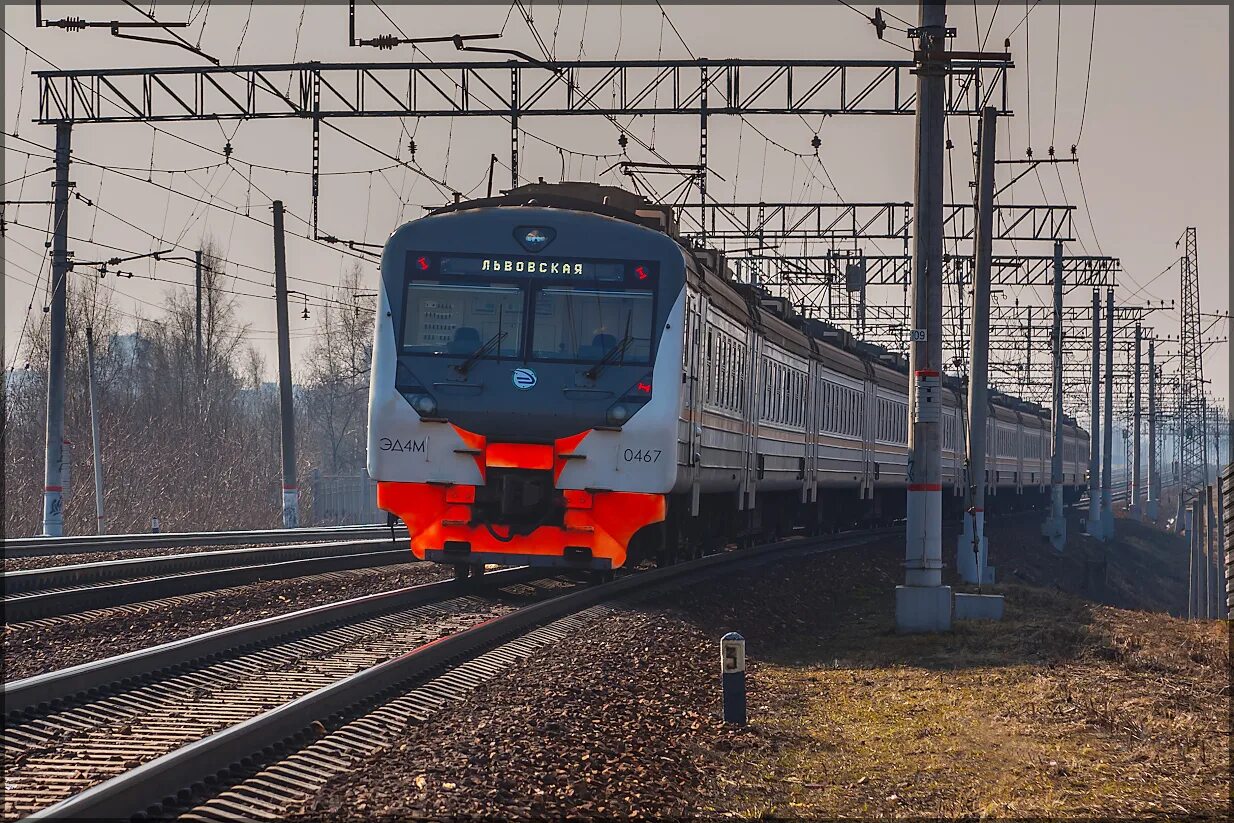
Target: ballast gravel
<point>620,720</point>
<point>55,643</point>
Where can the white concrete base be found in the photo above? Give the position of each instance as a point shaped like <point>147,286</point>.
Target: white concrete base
<point>978,606</point>
<point>971,567</point>
<point>1107,524</point>
<point>1054,529</point>
<point>923,609</point>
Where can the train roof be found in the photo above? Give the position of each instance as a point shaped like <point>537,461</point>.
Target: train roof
<point>616,202</point>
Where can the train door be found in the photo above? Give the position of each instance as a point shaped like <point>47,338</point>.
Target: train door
<point>696,332</point>
<point>754,410</point>
<point>869,422</point>
<point>1019,453</point>
<point>809,475</point>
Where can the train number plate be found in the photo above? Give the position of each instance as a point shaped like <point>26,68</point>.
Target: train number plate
<point>633,455</point>
<point>412,447</point>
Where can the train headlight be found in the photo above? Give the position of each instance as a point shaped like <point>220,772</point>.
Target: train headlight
<point>618,414</point>
<point>424,404</point>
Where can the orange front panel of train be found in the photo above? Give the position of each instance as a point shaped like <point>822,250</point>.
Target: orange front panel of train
<point>603,522</point>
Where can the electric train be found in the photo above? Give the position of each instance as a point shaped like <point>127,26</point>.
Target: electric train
<point>559,380</point>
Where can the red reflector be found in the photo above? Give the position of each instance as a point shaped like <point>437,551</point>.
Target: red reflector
<point>423,263</point>
<point>641,272</point>
<point>645,388</point>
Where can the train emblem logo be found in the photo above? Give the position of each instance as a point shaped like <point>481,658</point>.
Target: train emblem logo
<point>535,239</point>
<point>524,379</point>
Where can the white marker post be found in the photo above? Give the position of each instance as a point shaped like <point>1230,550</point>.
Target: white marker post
<point>733,677</point>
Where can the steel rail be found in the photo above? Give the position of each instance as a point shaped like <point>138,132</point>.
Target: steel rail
<point>173,779</point>
<point>83,544</point>
<point>32,696</point>
<point>132,568</point>
<point>58,602</point>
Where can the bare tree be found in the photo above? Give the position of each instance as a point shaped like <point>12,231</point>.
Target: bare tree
<point>337,377</point>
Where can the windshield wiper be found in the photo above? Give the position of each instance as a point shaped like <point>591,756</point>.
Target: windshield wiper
<point>618,349</point>
<point>465,366</point>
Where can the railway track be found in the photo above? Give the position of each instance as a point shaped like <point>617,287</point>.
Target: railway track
<point>40,593</point>
<point>69,729</point>
<point>86,544</point>
<point>237,750</point>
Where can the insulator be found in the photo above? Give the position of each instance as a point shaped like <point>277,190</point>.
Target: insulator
<point>411,147</point>
<point>815,142</point>
<point>1073,149</point>
<point>227,150</point>
<point>1050,151</point>
<point>622,141</point>
<point>385,42</point>
<point>950,145</point>
<point>74,24</point>
<point>1029,152</point>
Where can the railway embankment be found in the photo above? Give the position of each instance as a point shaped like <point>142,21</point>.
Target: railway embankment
<point>1069,707</point>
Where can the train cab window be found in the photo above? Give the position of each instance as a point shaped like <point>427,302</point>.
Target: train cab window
<point>458,320</point>
<point>591,324</point>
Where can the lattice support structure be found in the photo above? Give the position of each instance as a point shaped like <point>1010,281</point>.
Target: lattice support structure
<point>1193,464</point>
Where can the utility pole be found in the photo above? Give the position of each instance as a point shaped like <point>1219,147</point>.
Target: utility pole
<point>1094,445</point>
<point>1055,528</point>
<point>972,551</point>
<point>1154,473</point>
<point>1136,478</point>
<point>96,443</point>
<point>197,327</point>
<point>923,604</point>
<point>291,495</point>
<point>1191,521</point>
<point>1107,510</point>
<point>53,502</point>
<point>1193,450</point>
<point>1216,570</point>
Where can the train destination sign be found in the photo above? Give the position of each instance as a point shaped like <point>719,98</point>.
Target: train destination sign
<point>460,265</point>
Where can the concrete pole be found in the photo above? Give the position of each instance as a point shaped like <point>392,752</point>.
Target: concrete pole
<point>1137,479</point>
<point>923,604</point>
<point>96,443</point>
<point>291,496</point>
<point>1154,472</point>
<point>1094,445</point>
<point>53,502</point>
<point>197,326</point>
<point>972,551</point>
<point>1216,570</point>
<point>1055,527</point>
<point>1189,520</point>
<point>1107,458</point>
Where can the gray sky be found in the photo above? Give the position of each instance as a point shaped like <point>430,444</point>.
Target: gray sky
<point>1154,148</point>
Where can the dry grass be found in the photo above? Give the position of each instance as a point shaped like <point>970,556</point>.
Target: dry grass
<point>1062,710</point>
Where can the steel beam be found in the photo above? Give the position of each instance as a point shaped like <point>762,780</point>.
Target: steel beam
<point>773,223</point>
<point>484,89</point>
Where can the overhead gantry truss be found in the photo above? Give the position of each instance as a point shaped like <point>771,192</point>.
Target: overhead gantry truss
<point>806,272</point>
<point>514,88</point>
<point>768,224</point>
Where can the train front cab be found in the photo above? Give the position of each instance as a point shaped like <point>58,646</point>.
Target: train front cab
<point>546,436</point>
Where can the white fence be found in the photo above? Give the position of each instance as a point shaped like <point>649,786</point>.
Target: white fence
<point>344,500</point>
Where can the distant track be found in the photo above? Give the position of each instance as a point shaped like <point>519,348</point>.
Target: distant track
<point>84,544</point>
<point>38,593</point>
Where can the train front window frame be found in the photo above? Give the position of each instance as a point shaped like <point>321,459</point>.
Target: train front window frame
<point>460,319</point>
<point>534,279</point>
<point>590,324</point>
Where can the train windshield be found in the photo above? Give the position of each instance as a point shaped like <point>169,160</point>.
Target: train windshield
<point>592,324</point>
<point>456,319</point>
